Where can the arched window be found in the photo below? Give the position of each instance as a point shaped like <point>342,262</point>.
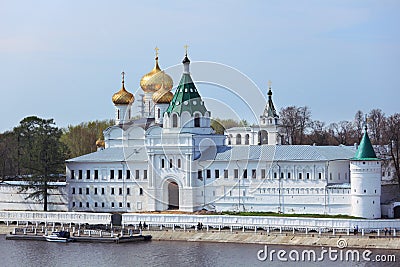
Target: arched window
<point>246,139</point>
<point>179,163</point>
<point>162,163</point>
<point>158,113</point>
<point>196,120</point>
<point>174,120</point>
<point>129,113</point>
<point>118,114</point>
<point>238,139</point>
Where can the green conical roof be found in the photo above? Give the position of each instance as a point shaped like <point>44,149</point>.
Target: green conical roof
<point>365,151</point>
<point>186,98</point>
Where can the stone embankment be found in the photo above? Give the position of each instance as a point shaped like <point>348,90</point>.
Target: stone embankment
<point>361,242</point>
<point>289,239</point>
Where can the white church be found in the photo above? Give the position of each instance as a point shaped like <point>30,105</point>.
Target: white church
<point>172,159</point>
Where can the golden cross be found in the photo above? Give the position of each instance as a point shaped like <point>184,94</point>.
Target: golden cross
<point>186,48</point>
<point>269,84</point>
<point>156,49</point>
<point>123,76</point>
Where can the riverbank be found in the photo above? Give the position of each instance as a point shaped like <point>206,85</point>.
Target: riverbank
<point>287,239</point>
<point>365,242</point>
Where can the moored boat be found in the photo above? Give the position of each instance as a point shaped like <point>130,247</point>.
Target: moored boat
<point>61,236</point>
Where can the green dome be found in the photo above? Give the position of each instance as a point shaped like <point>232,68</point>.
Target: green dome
<point>365,151</point>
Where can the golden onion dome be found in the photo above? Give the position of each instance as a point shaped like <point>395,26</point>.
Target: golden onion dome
<point>100,143</point>
<point>162,96</point>
<point>152,81</point>
<point>123,97</point>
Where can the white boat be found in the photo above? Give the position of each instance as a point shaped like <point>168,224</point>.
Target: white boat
<point>61,236</point>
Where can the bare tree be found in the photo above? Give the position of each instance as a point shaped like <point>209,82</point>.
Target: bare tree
<point>392,138</point>
<point>295,121</point>
<point>376,121</point>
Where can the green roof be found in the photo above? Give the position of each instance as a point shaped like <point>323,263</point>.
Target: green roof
<point>365,150</point>
<point>186,98</point>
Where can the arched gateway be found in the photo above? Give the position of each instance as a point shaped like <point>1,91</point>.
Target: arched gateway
<point>173,195</point>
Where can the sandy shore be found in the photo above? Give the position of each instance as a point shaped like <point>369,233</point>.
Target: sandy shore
<point>262,238</point>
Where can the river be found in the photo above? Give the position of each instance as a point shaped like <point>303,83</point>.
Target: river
<point>162,253</point>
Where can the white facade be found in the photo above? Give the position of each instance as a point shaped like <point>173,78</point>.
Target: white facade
<point>184,165</point>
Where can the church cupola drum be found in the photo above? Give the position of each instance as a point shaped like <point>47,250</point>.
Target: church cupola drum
<point>151,83</point>
<point>122,101</point>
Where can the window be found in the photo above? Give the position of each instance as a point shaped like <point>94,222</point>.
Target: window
<point>128,174</point>
<point>80,191</point>
<point>118,114</point>
<point>87,191</point>
<point>300,176</point>
<point>253,173</point>
<point>144,174</point>
<point>238,139</point>
<point>120,191</point>
<point>137,174</point>
<point>208,173</point>
<point>96,174</point>
<point>87,204</point>
<point>158,113</point>
<point>245,173</point>
<point>288,175</point>
<point>80,174</point>
<point>73,190</point>
<point>140,191</point>
<point>226,173</point>
<point>73,204</point>
<point>95,191</point>
<point>282,175</point>
<point>170,163</point>
<point>179,163</point>
<point>112,190</point>
<point>383,174</point>
<point>246,139</point>
<point>308,175</point>
<point>95,204</point>
<point>174,120</point>
<point>200,174</point>
<point>102,190</point>
<point>128,205</point>
<point>119,174</point>
<point>275,175</point>
<point>365,191</point>
<point>330,176</point>
<point>235,173</point>
<point>112,204</point>
<point>128,191</point>
<point>388,174</point>
<point>111,174</point>
<point>338,176</point>
<point>263,173</point>
<point>102,204</point>
<point>162,163</point>
<point>217,174</point>
<point>72,174</point>
<point>320,175</point>
<point>120,204</point>
<point>87,174</point>
<point>196,120</point>
<point>80,204</point>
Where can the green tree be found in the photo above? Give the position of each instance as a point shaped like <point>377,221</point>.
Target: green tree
<point>81,139</point>
<point>42,156</point>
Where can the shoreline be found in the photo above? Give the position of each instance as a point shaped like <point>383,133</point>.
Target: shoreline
<point>261,238</point>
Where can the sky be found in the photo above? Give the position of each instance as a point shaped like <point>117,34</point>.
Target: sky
<point>63,59</point>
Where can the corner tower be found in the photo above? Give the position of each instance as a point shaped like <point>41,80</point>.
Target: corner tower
<point>365,178</point>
